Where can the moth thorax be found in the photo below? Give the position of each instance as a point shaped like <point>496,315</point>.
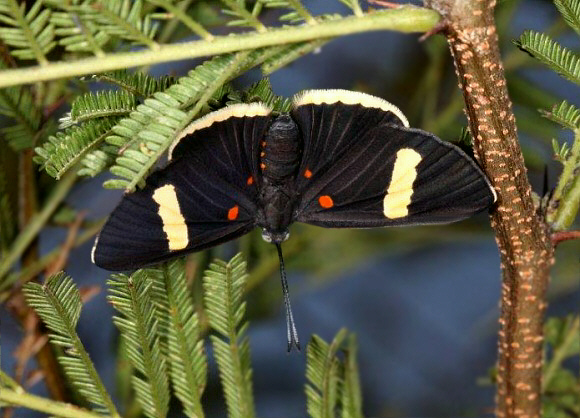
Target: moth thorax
<point>280,151</point>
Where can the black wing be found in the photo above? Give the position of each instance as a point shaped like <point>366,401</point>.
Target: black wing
<point>391,175</point>
<point>332,121</point>
<point>205,196</point>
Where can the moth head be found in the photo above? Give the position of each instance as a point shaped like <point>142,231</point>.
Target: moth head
<point>275,237</point>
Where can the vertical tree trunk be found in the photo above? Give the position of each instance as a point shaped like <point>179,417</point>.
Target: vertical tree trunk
<point>521,234</point>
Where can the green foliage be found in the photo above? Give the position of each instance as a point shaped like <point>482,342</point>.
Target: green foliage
<point>59,305</point>
<point>29,33</point>
<point>224,285</point>
<point>99,105</point>
<point>563,205</point>
<point>17,103</point>
<point>138,325</point>
<point>350,390</point>
<point>187,360</point>
<point>242,15</point>
<point>333,387</point>
<point>565,114</point>
<point>137,83</point>
<point>261,91</point>
<point>298,14</point>
<point>76,31</point>
<point>159,327</point>
<point>570,10</point>
<point>99,21</point>
<point>551,53</point>
<point>65,149</point>
<point>93,115</point>
<point>561,385</point>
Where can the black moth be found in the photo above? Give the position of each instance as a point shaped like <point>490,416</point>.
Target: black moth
<point>339,159</point>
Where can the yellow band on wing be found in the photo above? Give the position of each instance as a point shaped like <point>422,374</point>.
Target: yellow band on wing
<point>398,198</point>
<point>174,224</point>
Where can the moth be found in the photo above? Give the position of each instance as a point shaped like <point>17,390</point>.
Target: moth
<point>338,159</point>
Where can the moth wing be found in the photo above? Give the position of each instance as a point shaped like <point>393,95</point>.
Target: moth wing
<point>205,196</point>
<point>394,175</point>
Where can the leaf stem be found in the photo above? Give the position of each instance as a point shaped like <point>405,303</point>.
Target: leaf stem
<point>564,203</point>
<point>404,19</point>
<point>38,403</point>
<point>561,352</point>
<point>77,349</point>
<point>37,222</point>
<point>181,16</point>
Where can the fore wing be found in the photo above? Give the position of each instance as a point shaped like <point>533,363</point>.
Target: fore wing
<point>205,196</point>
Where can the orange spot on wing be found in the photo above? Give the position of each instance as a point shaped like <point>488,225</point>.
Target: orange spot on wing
<point>325,202</point>
<point>263,166</point>
<point>250,181</point>
<point>307,173</point>
<point>233,213</point>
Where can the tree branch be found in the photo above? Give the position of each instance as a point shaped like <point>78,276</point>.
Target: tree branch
<point>522,236</point>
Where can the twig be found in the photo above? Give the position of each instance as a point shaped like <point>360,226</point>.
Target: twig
<point>558,237</point>
<point>403,19</point>
<point>69,243</point>
<point>38,403</point>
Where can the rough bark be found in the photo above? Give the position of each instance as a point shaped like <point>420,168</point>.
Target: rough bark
<point>522,235</point>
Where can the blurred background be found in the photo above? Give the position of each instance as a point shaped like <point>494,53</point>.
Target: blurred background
<point>423,301</point>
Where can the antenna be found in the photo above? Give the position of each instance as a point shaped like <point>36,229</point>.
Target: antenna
<point>291,333</point>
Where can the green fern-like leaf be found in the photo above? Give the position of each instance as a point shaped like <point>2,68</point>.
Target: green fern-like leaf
<point>551,53</point>
<point>564,114</point>
<point>350,391</point>
<point>224,285</point>
<point>97,161</point>
<point>76,32</point>
<point>123,19</point>
<point>244,16</point>
<point>570,10</point>
<point>17,103</point>
<point>261,91</point>
<point>59,305</point>
<point>137,83</point>
<point>188,364</point>
<point>99,105</point>
<point>139,328</point>
<point>323,371</point>
<point>29,34</point>
<point>65,149</point>
<point>149,131</point>
<point>298,14</point>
